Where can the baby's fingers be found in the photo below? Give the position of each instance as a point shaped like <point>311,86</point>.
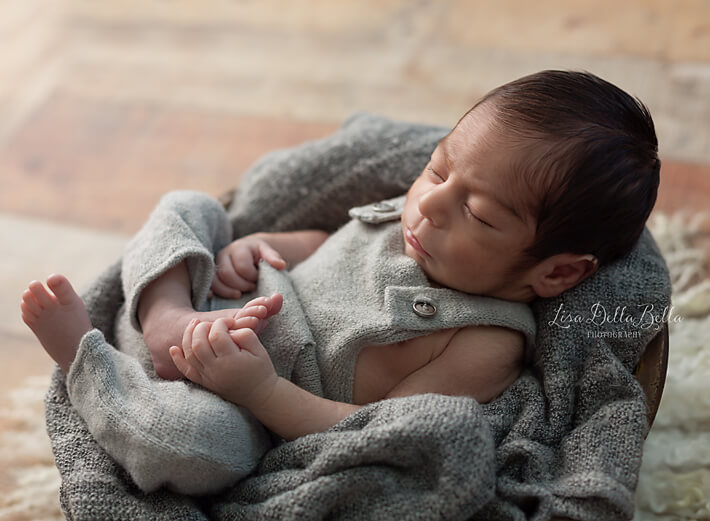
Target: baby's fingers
<point>186,350</point>
<point>220,339</point>
<point>271,256</point>
<point>247,340</point>
<point>187,335</point>
<point>202,345</point>
<point>220,289</point>
<point>242,260</point>
<point>234,274</point>
<point>187,369</point>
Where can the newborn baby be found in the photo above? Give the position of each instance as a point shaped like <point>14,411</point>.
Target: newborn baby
<point>541,182</point>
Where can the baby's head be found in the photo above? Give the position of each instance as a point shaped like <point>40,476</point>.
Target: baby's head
<point>544,180</point>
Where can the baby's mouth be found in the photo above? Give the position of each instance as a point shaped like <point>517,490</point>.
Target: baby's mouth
<point>414,243</point>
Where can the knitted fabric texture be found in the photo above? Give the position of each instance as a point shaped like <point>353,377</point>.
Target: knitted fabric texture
<point>565,439</point>
<point>359,288</point>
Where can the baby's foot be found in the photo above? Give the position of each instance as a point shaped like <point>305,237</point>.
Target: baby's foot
<point>165,326</point>
<point>58,318</point>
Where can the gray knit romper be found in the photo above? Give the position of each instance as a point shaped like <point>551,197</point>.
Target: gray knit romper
<point>360,288</point>
<point>357,289</point>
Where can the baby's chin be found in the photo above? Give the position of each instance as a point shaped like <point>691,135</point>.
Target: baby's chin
<point>413,254</point>
<point>410,252</point>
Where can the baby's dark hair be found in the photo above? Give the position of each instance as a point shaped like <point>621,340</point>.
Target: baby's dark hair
<point>593,164</point>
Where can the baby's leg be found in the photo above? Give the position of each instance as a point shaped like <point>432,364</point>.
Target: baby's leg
<point>57,318</point>
<point>168,267</point>
<point>204,442</point>
<point>163,433</point>
<point>165,310</point>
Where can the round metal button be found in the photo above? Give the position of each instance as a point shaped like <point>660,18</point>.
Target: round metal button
<point>424,307</point>
<point>382,207</point>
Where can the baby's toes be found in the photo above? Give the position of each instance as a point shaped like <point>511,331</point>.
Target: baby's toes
<point>275,303</point>
<point>62,289</point>
<point>245,322</point>
<point>29,316</point>
<point>30,303</point>
<point>40,294</point>
<point>252,311</point>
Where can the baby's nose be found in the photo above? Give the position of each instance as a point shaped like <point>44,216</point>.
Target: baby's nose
<point>434,206</point>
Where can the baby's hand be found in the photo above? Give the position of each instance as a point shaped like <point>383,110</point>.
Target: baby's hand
<point>237,266</point>
<point>233,364</point>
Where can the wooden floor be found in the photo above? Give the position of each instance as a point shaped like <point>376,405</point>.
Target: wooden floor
<point>105,106</point>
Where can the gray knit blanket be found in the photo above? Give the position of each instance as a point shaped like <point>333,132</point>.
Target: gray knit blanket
<point>564,440</point>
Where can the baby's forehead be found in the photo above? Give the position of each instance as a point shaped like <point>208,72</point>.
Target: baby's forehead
<point>477,146</point>
<point>477,140</point>
<point>480,134</point>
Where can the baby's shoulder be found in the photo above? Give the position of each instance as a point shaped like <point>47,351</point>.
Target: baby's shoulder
<point>479,361</point>
<point>497,342</point>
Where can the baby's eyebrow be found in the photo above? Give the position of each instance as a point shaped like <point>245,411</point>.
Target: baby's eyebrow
<point>509,209</point>
<point>443,148</point>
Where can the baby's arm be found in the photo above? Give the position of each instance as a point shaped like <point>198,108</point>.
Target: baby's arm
<point>236,366</point>
<point>237,263</point>
<point>479,361</point>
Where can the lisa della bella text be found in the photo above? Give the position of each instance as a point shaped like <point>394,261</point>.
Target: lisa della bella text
<point>646,317</point>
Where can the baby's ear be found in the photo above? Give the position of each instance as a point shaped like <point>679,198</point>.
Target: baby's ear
<point>560,272</point>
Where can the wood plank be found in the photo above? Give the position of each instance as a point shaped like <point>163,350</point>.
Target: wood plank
<point>109,170</point>
<point>684,186</point>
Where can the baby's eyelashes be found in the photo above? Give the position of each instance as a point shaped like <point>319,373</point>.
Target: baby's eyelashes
<point>433,173</point>
<point>475,217</point>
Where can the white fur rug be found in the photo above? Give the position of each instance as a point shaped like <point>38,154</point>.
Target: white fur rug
<point>26,458</point>
<point>675,476</point>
